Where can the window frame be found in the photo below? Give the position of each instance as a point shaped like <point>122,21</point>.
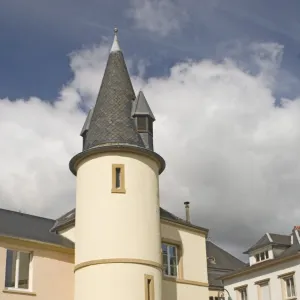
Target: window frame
<point>262,256</point>
<point>241,292</point>
<point>118,189</point>
<point>149,124</point>
<point>262,283</point>
<point>177,251</point>
<point>284,278</point>
<point>17,271</point>
<point>149,287</point>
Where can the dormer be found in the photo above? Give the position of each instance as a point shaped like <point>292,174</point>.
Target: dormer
<point>268,247</point>
<point>144,119</point>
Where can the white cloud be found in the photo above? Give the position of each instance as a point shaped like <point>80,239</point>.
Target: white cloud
<point>227,148</point>
<point>157,16</point>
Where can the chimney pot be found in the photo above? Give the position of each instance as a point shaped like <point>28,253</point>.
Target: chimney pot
<point>187,211</point>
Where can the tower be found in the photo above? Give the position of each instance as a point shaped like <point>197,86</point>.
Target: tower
<point>118,242</point>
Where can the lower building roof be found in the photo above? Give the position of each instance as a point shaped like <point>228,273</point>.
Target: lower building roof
<point>20,225</point>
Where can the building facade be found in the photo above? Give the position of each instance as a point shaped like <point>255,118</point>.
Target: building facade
<point>273,271</point>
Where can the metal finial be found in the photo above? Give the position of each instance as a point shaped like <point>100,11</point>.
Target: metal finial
<point>115,46</point>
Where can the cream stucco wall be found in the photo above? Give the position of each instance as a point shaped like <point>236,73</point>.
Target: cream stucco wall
<point>193,283</point>
<point>68,233</point>
<point>52,273</point>
<point>117,226</point>
<point>270,273</point>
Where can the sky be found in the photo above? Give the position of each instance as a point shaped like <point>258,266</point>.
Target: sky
<point>221,76</point>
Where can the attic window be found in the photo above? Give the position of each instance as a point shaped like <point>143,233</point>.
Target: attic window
<point>144,124</point>
<point>262,256</point>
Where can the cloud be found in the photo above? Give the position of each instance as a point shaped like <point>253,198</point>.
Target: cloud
<point>228,149</point>
<point>157,16</point>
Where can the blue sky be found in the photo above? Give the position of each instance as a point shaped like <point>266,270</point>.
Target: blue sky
<point>211,71</point>
<point>36,37</point>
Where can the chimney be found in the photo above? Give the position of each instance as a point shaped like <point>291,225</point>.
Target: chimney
<point>187,211</point>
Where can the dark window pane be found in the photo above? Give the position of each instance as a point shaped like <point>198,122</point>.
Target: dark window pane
<point>142,123</point>
<point>164,248</point>
<point>10,271</point>
<point>166,270</point>
<point>173,270</point>
<point>267,254</point>
<point>172,251</point>
<point>118,178</point>
<point>165,259</point>
<point>24,270</point>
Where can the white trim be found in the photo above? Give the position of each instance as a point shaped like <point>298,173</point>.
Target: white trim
<point>297,235</point>
<point>269,237</point>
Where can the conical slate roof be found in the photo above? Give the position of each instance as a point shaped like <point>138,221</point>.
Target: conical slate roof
<point>111,121</point>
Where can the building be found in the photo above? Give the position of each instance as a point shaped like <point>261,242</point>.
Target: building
<point>118,243</point>
<point>273,271</point>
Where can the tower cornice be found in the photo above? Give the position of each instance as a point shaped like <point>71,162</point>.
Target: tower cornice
<point>111,148</point>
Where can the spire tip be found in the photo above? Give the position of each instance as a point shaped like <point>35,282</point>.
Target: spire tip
<point>115,45</point>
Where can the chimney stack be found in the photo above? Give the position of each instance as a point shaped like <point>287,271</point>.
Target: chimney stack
<point>187,211</point>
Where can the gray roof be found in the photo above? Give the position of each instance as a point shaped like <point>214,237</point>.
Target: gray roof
<point>284,241</point>
<point>20,225</point>
<point>141,107</point>
<point>111,121</point>
<point>273,239</point>
<point>224,263</point>
<point>69,218</point>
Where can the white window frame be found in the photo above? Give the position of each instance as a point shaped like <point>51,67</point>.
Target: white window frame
<point>243,294</point>
<point>17,266</point>
<point>286,279</point>
<point>260,254</point>
<point>168,258</point>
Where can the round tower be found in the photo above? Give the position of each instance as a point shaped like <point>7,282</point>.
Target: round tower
<point>118,242</point>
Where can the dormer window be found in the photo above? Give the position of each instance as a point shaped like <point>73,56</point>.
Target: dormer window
<point>144,124</point>
<point>262,256</point>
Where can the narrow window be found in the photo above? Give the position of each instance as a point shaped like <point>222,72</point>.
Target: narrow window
<point>149,287</point>
<point>257,257</point>
<point>290,287</point>
<point>118,179</point>
<point>243,294</point>
<point>17,269</point>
